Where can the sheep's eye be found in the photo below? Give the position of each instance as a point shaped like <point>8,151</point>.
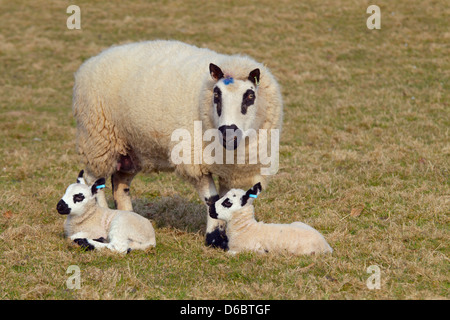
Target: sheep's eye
<point>79,197</point>
<point>227,203</point>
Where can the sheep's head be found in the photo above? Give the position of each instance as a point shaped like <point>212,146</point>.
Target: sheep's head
<point>234,105</point>
<point>78,195</point>
<point>233,201</point>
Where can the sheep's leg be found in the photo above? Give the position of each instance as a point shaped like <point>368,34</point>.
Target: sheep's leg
<point>136,245</point>
<point>215,229</point>
<point>118,245</point>
<point>91,244</point>
<point>223,187</point>
<point>82,239</point>
<point>101,197</point>
<point>121,181</point>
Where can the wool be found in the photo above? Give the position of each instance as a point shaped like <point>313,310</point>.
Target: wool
<point>132,97</point>
<point>129,99</point>
<point>87,221</point>
<point>246,234</point>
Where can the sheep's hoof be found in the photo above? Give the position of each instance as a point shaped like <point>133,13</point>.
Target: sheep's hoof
<point>84,244</point>
<point>217,239</point>
<point>101,239</point>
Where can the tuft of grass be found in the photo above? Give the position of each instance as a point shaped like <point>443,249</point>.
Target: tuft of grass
<point>366,126</point>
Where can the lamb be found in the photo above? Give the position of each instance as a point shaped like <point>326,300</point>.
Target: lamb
<point>95,227</point>
<point>129,100</point>
<point>246,234</point>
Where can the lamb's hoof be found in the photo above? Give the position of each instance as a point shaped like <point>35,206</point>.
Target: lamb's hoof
<point>84,244</point>
<point>101,239</point>
<point>217,239</point>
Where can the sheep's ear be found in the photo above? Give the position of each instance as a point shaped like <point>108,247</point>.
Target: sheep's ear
<point>251,194</point>
<point>215,71</point>
<point>253,76</point>
<point>80,178</point>
<point>99,184</point>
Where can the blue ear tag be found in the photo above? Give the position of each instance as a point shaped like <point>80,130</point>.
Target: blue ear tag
<point>101,186</point>
<point>228,80</point>
<point>253,196</point>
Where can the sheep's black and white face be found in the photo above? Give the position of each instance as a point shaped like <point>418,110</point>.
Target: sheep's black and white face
<point>234,105</point>
<point>224,208</point>
<point>233,201</point>
<point>74,200</point>
<point>77,196</point>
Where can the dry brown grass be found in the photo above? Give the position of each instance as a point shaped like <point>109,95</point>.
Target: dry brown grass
<point>366,127</point>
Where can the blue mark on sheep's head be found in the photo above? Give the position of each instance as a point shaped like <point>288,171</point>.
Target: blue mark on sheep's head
<point>228,80</point>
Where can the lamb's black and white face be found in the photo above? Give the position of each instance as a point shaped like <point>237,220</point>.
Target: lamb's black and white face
<point>77,196</point>
<point>74,200</point>
<point>234,105</point>
<point>233,201</point>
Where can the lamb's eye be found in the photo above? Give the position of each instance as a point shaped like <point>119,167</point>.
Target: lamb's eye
<point>216,95</point>
<point>227,203</point>
<point>79,197</point>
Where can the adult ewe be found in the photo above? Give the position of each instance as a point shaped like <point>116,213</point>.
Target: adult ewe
<point>130,99</point>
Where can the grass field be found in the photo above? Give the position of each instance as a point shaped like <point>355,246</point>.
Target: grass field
<point>364,155</point>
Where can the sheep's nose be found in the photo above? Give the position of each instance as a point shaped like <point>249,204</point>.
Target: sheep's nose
<point>62,207</point>
<point>231,129</point>
<point>231,136</point>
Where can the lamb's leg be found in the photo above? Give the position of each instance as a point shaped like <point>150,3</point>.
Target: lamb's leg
<point>121,181</point>
<point>82,239</point>
<point>215,229</point>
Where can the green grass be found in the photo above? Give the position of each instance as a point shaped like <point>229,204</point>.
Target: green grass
<point>366,125</point>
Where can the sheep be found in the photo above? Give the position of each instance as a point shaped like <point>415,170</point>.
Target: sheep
<point>246,234</point>
<point>130,99</point>
<point>95,227</point>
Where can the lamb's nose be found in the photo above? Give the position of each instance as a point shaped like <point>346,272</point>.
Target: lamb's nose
<point>62,207</point>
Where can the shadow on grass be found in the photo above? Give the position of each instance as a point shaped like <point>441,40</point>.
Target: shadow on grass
<point>174,212</point>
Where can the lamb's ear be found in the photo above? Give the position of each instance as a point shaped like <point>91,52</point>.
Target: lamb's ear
<point>99,184</point>
<point>80,178</point>
<point>253,76</point>
<point>215,71</point>
<point>251,194</point>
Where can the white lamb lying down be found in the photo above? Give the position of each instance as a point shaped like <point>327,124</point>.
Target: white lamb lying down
<point>246,234</point>
<point>95,227</point>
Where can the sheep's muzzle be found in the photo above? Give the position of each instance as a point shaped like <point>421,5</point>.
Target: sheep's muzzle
<point>62,207</point>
